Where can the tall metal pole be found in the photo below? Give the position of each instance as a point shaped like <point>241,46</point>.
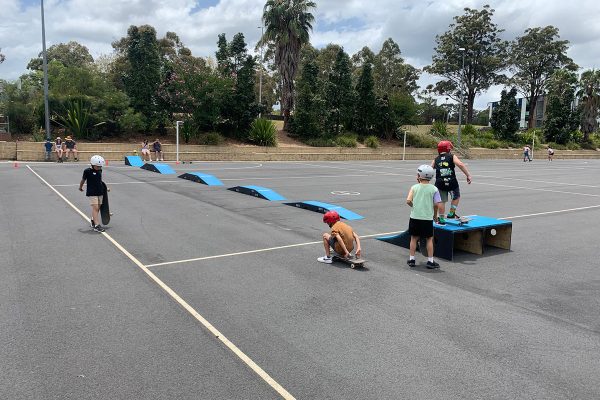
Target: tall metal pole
<point>462,93</point>
<point>177,123</point>
<point>45,64</point>
<point>262,32</point>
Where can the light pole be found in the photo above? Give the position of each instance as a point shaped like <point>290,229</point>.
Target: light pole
<point>462,92</point>
<point>262,32</point>
<point>45,64</point>
<point>177,141</point>
<point>447,111</point>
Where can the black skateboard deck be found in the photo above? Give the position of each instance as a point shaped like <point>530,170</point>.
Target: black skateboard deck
<point>104,208</point>
<point>353,262</point>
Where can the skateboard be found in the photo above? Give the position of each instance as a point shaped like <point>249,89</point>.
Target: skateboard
<point>352,261</point>
<point>460,222</point>
<point>104,208</point>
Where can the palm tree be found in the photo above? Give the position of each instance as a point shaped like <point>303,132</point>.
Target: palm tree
<point>589,93</point>
<point>287,24</point>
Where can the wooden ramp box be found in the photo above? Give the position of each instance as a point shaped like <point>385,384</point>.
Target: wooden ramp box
<point>472,237</point>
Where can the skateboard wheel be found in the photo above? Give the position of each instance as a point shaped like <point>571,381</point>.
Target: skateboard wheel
<point>353,266</point>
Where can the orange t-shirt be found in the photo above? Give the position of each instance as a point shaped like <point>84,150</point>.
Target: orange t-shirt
<point>347,235</point>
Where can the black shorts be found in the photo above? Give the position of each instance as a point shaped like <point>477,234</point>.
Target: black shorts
<point>420,227</point>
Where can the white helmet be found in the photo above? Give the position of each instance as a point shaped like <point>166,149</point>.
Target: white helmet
<point>425,172</point>
<point>97,160</point>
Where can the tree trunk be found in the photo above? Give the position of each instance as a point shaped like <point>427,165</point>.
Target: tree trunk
<point>286,119</point>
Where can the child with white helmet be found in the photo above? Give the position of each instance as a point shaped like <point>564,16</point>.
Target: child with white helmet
<point>94,189</point>
<point>424,199</point>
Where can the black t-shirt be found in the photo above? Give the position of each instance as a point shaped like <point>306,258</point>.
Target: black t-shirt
<point>94,182</point>
<point>157,146</point>
<point>70,144</point>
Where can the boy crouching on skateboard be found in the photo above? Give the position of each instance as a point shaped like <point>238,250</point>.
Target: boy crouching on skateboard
<point>424,199</point>
<point>341,238</point>
<point>94,190</point>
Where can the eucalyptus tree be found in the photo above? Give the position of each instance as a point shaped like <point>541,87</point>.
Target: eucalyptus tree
<point>287,24</point>
<point>589,95</point>
<point>561,118</point>
<point>484,55</point>
<point>534,57</point>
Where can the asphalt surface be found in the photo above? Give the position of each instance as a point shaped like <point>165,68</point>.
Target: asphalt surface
<point>82,321</point>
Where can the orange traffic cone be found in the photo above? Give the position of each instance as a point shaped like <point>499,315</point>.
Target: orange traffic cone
<point>106,162</point>
<point>16,164</point>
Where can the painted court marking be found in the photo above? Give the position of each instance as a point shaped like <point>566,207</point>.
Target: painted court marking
<point>247,360</point>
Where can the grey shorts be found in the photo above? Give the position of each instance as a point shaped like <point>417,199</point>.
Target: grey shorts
<point>332,241</point>
<point>455,194</point>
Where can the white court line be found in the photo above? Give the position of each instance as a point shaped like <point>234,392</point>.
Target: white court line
<point>247,360</point>
<point>124,183</point>
<point>539,190</point>
<point>240,253</point>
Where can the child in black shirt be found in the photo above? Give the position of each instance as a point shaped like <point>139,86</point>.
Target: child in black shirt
<point>94,190</point>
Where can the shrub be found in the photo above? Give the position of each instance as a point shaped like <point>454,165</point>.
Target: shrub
<point>320,142</point>
<point>469,130</point>
<point>263,132</point>
<point>491,144</point>
<point>372,142</point>
<point>346,141</point>
<point>420,140</point>
<point>573,146</point>
<point>439,129</point>
<point>211,139</point>
<point>132,122</point>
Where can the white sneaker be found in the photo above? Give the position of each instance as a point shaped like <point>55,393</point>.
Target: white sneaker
<point>325,259</point>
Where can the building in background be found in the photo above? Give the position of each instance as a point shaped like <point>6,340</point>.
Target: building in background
<point>540,111</point>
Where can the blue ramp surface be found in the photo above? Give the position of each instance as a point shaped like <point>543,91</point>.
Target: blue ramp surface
<point>320,207</point>
<point>160,168</point>
<point>134,161</point>
<point>259,191</point>
<point>201,178</point>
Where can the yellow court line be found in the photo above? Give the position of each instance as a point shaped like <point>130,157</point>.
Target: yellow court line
<point>258,370</point>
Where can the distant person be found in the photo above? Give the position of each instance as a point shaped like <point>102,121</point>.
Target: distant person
<point>146,151</point>
<point>341,238</point>
<point>550,153</point>
<point>425,200</point>
<point>70,147</point>
<point>526,153</point>
<point>157,146</point>
<point>446,181</point>
<point>48,147</point>
<point>94,190</point>
<point>58,148</point>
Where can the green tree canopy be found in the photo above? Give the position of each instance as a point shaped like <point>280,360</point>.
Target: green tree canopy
<point>339,95</point>
<point>365,115</point>
<point>534,57</point>
<point>308,116</point>
<point>391,74</point>
<point>561,118</point>
<point>484,55</point>
<point>589,95</point>
<point>287,23</point>
<point>70,54</point>
<point>506,115</point>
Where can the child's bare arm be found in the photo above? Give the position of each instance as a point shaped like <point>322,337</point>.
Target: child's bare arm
<point>463,168</point>
<point>81,185</point>
<point>409,199</point>
<point>357,239</point>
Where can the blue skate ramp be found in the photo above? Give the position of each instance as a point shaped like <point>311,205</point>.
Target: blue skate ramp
<point>133,161</point>
<point>159,168</point>
<point>200,177</point>
<point>259,191</point>
<point>322,208</point>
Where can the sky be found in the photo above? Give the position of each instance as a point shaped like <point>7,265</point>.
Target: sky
<point>353,24</point>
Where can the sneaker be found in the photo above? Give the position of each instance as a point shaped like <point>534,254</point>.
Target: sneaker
<point>452,215</point>
<point>432,265</point>
<point>92,223</point>
<point>411,263</point>
<point>76,159</point>
<point>441,221</point>
<point>325,259</point>
<point>99,228</point>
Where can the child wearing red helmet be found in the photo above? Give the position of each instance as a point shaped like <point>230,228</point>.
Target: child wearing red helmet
<point>341,238</point>
<point>445,178</point>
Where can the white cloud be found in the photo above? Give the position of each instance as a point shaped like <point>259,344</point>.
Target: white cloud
<point>413,24</point>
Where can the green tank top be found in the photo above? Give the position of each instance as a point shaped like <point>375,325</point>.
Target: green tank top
<point>423,201</point>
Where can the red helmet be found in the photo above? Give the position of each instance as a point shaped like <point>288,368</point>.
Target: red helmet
<point>331,217</point>
<point>445,146</point>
